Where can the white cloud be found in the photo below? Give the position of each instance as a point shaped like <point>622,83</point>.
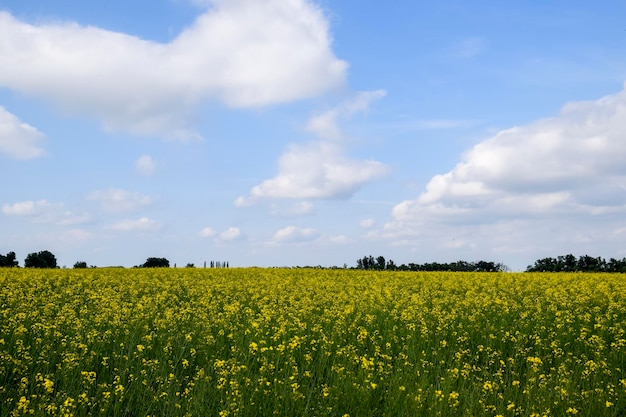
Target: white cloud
<point>28,208</point>
<point>208,232</point>
<point>561,179</point>
<point>230,234</point>
<point>291,234</point>
<point>245,53</point>
<point>143,224</point>
<point>145,165</point>
<point>42,211</point>
<point>325,125</point>
<point>572,162</point>
<point>318,170</point>
<point>118,200</point>
<point>17,139</point>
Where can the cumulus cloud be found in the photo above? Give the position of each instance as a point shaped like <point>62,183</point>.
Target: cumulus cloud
<point>573,161</point>
<point>118,200</point>
<point>143,224</point>
<point>546,176</point>
<point>43,211</point>
<point>291,234</point>
<point>145,165</point>
<point>17,139</point>
<point>320,169</point>
<point>244,53</point>
<point>325,125</point>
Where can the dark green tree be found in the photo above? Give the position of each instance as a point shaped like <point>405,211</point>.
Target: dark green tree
<point>484,266</point>
<point>380,263</point>
<point>585,263</point>
<point>156,263</point>
<point>368,262</point>
<point>43,259</point>
<point>80,265</point>
<point>569,262</point>
<point>8,261</point>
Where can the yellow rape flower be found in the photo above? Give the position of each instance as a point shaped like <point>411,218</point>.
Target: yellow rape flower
<point>48,385</point>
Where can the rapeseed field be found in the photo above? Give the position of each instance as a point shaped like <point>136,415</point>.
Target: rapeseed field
<point>294,342</point>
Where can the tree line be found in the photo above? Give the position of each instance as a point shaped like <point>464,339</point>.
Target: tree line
<point>42,259</point>
<point>564,263</point>
<point>381,264</point>
<point>46,259</point>
<point>585,263</point>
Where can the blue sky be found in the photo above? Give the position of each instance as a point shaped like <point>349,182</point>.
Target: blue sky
<point>294,132</point>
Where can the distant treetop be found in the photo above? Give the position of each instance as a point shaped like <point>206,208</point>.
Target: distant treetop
<point>8,261</point>
<point>585,263</point>
<point>43,259</point>
<point>380,264</point>
<point>156,263</point>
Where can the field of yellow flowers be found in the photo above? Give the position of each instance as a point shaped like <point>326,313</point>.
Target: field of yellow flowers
<point>296,342</point>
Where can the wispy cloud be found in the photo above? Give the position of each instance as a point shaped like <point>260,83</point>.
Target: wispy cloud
<point>29,208</point>
<point>325,125</point>
<point>18,139</point>
<point>43,211</point>
<point>117,200</point>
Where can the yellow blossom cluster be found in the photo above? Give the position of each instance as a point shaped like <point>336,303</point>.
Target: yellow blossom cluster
<point>304,342</point>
